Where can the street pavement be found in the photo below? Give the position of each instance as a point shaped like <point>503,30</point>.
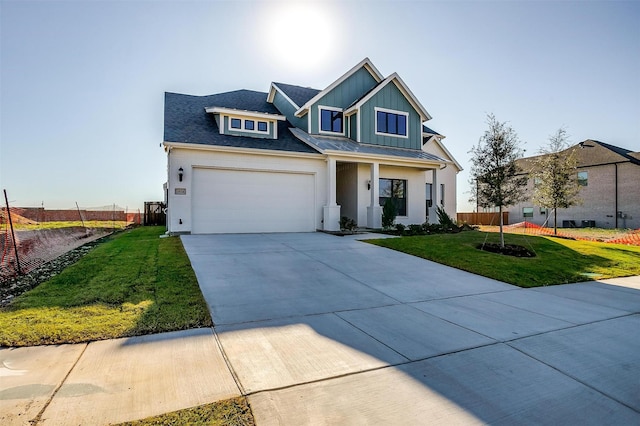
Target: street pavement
<point>320,329</point>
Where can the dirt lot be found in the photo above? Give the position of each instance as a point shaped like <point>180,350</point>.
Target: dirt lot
<point>618,236</point>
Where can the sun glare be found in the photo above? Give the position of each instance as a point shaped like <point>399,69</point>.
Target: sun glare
<point>300,34</point>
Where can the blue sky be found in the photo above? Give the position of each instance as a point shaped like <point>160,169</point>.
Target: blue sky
<point>82,83</point>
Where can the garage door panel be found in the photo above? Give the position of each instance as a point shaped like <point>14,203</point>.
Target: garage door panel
<point>237,201</point>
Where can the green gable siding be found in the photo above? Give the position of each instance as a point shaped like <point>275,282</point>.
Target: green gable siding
<point>353,125</point>
<point>343,95</point>
<point>288,110</point>
<point>390,97</point>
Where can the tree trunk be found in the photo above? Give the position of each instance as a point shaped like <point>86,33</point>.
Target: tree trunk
<point>501,233</point>
<point>555,221</point>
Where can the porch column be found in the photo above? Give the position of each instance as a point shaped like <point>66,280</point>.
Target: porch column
<point>331,212</point>
<point>374,211</point>
<point>433,217</point>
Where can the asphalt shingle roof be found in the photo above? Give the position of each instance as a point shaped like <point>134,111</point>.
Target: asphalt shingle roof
<point>299,95</point>
<point>186,121</point>
<point>426,129</point>
<point>590,153</point>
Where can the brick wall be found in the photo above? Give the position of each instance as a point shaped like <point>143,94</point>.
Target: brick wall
<point>39,214</point>
<point>598,199</point>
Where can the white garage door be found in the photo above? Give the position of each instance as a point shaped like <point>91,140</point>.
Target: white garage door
<point>240,201</point>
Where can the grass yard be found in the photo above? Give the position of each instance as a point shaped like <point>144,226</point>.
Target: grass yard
<point>557,261</point>
<point>136,283</point>
<point>231,412</point>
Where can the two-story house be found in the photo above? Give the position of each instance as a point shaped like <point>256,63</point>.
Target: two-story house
<point>297,159</point>
<point>609,180</point>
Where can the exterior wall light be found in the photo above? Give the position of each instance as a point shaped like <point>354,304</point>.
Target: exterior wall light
<point>180,174</point>
<point>369,185</point>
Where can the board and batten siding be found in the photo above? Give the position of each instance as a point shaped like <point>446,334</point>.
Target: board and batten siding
<point>343,95</point>
<point>390,97</point>
<point>288,110</point>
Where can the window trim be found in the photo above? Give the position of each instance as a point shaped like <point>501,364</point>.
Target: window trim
<point>585,181</point>
<point>329,132</point>
<point>405,197</point>
<point>390,111</point>
<point>243,124</point>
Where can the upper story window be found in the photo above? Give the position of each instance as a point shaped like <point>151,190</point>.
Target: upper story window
<point>249,125</point>
<point>583,178</point>
<point>391,123</point>
<point>331,120</point>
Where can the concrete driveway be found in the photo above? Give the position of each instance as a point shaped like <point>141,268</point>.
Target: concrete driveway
<point>319,329</point>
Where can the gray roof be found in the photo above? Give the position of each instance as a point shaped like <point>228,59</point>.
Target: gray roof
<point>186,121</point>
<point>589,153</point>
<point>299,95</point>
<point>343,144</point>
<point>425,129</point>
<point>595,153</point>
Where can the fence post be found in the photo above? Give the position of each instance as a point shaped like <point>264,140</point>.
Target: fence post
<point>13,236</point>
<point>80,214</point>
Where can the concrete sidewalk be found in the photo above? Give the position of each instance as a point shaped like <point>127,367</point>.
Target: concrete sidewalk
<point>318,329</point>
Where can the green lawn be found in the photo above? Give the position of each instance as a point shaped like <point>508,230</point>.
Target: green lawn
<point>230,412</point>
<point>558,260</point>
<point>135,283</point>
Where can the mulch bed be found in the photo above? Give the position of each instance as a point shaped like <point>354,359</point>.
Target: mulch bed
<point>508,249</point>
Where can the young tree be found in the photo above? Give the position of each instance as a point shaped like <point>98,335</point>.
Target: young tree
<point>495,177</point>
<point>554,175</point>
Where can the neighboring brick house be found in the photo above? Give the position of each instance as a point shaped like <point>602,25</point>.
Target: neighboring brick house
<point>610,190</point>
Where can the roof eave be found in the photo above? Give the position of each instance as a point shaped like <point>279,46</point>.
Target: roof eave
<point>272,94</point>
<point>257,114</point>
<point>400,84</point>
<point>366,63</point>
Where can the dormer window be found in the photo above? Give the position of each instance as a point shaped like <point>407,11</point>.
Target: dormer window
<point>249,125</point>
<point>391,123</point>
<point>246,123</point>
<point>331,120</point>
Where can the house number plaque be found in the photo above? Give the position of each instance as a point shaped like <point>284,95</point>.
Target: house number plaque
<point>181,191</point>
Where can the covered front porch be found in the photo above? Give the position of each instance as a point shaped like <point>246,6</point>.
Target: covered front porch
<point>357,189</point>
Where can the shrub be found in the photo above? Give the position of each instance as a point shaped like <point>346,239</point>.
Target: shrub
<point>415,230</point>
<point>445,220</point>
<point>389,213</point>
<point>347,224</point>
<point>400,228</point>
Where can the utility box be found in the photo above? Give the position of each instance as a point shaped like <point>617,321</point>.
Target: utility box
<point>588,223</point>
<point>569,224</point>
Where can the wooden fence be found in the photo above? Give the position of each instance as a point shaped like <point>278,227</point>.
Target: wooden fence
<point>483,218</point>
